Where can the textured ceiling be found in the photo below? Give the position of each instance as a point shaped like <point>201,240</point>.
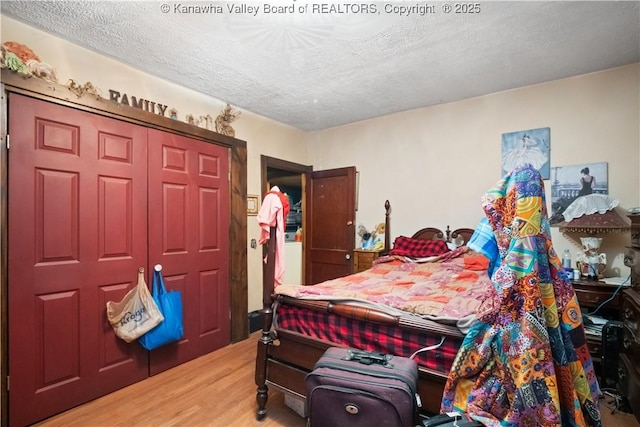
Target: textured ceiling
<point>313,70</point>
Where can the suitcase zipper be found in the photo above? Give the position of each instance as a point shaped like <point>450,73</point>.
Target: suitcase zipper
<point>403,389</point>
<point>407,378</point>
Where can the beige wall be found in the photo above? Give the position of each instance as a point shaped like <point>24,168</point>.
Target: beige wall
<point>269,138</point>
<point>433,164</point>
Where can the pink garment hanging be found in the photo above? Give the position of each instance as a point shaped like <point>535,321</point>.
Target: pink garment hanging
<point>271,214</point>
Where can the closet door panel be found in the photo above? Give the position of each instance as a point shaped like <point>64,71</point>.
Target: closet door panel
<point>188,236</point>
<point>77,235</point>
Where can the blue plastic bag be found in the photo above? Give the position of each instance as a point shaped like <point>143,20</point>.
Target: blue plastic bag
<point>170,305</point>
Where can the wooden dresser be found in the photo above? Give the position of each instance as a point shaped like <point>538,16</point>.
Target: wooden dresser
<point>591,296</point>
<point>629,362</point>
<point>363,259</point>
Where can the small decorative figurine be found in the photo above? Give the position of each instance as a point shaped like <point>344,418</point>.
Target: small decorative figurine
<point>79,90</point>
<point>224,120</point>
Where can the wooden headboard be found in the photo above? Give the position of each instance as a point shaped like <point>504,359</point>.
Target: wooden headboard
<point>459,236</point>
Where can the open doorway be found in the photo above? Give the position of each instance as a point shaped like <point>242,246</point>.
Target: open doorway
<point>328,215</point>
<point>290,178</point>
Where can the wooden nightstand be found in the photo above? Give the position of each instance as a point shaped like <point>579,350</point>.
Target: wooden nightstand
<point>363,259</point>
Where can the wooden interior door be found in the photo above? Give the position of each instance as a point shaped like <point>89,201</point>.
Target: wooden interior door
<point>330,230</point>
<point>188,236</point>
<point>77,234</point>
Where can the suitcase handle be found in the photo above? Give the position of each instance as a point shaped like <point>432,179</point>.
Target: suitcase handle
<point>369,357</point>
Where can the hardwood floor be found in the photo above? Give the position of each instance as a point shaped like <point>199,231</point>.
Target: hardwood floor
<point>214,390</point>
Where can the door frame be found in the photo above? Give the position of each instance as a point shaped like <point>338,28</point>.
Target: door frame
<point>59,94</point>
<point>305,171</point>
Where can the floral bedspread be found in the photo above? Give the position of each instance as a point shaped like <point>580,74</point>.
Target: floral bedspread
<point>444,289</point>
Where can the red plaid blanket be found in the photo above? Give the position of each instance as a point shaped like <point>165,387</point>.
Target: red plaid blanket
<point>406,246</point>
<point>370,336</point>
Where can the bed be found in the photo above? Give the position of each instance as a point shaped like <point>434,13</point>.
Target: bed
<point>299,324</point>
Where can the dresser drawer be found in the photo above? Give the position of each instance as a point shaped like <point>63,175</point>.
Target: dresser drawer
<point>630,314</point>
<point>630,311</point>
<point>363,259</point>
<point>630,306</point>
<point>630,343</point>
<point>593,298</point>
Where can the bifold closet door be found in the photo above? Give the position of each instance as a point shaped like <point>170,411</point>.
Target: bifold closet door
<point>189,236</point>
<point>91,199</point>
<point>77,200</point>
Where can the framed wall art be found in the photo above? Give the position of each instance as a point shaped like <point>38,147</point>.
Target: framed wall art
<point>570,182</point>
<point>526,146</point>
<point>253,204</point>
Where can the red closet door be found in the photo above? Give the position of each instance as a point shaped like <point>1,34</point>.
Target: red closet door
<point>188,235</point>
<point>77,235</point>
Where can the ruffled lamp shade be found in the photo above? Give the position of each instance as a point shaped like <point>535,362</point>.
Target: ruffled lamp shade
<point>595,213</point>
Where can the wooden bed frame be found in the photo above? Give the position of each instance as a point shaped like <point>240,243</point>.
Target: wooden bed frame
<point>284,357</point>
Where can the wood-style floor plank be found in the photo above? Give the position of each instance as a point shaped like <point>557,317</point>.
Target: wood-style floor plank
<point>214,390</point>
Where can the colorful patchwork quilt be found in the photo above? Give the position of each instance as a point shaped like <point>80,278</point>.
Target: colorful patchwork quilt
<point>447,288</point>
<point>525,360</point>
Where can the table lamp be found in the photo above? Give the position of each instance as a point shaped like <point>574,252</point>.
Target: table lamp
<point>595,215</point>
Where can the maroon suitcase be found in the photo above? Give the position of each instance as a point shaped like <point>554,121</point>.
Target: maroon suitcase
<point>355,388</point>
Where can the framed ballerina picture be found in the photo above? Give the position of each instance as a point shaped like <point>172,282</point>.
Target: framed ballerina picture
<point>526,146</point>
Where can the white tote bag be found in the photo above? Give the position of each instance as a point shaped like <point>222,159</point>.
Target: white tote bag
<point>136,314</point>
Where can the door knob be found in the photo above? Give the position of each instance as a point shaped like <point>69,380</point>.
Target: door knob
<point>347,256</point>
<point>349,222</point>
